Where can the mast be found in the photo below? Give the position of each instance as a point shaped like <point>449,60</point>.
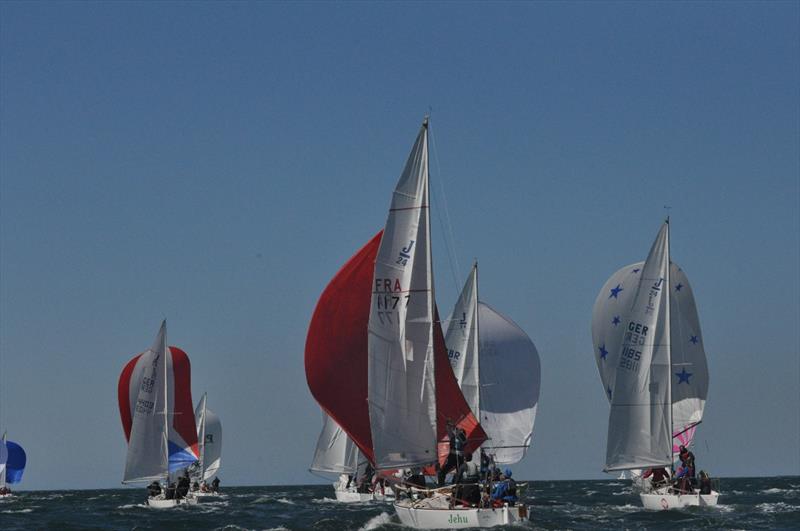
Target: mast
<point>165,348</point>
<point>203,439</point>
<point>426,211</point>
<point>668,335</point>
<point>477,299</point>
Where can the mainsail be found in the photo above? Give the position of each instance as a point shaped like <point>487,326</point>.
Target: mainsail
<point>376,405</point>
<point>640,422</point>
<point>209,439</point>
<point>336,453</point>
<point>498,369</point>
<point>155,404</point>
<point>689,368</point>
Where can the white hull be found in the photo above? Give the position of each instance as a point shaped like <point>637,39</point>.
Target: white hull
<point>351,496</point>
<point>205,497</point>
<point>9,495</point>
<point>161,503</point>
<point>662,500</point>
<point>457,518</point>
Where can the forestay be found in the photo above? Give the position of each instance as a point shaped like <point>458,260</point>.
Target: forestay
<point>336,453</point>
<point>639,428</point>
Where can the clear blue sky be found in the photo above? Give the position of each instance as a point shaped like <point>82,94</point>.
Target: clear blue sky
<point>214,164</point>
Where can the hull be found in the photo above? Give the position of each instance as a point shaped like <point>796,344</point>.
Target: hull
<point>205,497</point>
<point>351,496</point>
<point>457,518</point>
<point>663,500</point>
<point>161,503</point>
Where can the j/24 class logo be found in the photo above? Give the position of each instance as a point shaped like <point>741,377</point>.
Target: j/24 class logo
<point>405,253</point>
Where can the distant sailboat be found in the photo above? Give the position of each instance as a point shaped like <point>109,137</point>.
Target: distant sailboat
<point>209,440</point>
<point>497,367</point>
<point>652,364</point>
<point>155,403</point>
<point>336,454</point>
<point>376,326</point>
<point>12,465</point>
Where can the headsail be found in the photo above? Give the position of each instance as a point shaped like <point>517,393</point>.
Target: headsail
<point>639,426</point>
<point>161,435</point>
<point>510,381</point>
<point>689,367</point>
<point>209,438</point>
<point>336,453</point>
<point>336,346</point>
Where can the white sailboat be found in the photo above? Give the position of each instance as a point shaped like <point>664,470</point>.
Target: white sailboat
<point>403,390</point>
<point>376,323</point>
<point>209,440</point>
<point>12,465</point>
<point>640,349</point>
<point>162,438</point>
<point>337,455</point>
<point>497,367</point>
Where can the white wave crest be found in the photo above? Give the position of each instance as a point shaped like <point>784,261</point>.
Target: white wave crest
<point>376,521</point>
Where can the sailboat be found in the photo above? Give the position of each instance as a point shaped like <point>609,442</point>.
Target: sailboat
<point>12,465</point>
<point>155,405</point>
<point>653,368</point>
<point>209,440</point>
<point>336,454</point>
<point>376,326</point>
<point>497,367</point>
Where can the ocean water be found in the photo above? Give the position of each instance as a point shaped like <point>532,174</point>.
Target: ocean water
<point>746,503</point>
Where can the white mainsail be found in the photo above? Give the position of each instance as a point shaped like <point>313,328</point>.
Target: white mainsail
<point>147,457</point>
<point>401,388</point>
<point>336,453</point>
<point>3,460</point>
<point>689,367</point>
<point>462,343</point>
<point>640,422</point>
<point>510,380</point>
<point>209,437</point>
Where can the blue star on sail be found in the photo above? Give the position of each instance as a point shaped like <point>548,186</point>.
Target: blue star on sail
<point>678,287</point>
<point>635,270</point>
<point>615,291</point>
<point>683,376</point>
<point>694,340</point>
<point>615,321</point>
<point>603,351</point>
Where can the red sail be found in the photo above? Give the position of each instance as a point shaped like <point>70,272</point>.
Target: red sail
<point>336,346</point>
<point>336,357</point>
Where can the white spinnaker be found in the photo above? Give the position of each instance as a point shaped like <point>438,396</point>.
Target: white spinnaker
<point>209,435</point>
<point>401,388</point>
<point>336,453</point>
<point>639,425</point>
<point>462,342</point>
<point>510,380</point>
<point>3,460</point>
<point>147,448</point>
<point>689,367</point>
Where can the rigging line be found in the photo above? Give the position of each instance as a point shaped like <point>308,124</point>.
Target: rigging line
<point>446,224</point>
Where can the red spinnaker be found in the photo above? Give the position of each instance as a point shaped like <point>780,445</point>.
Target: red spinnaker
<point>336,357</point>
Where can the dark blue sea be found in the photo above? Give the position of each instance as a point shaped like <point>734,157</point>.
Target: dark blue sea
<point>745,503</point>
